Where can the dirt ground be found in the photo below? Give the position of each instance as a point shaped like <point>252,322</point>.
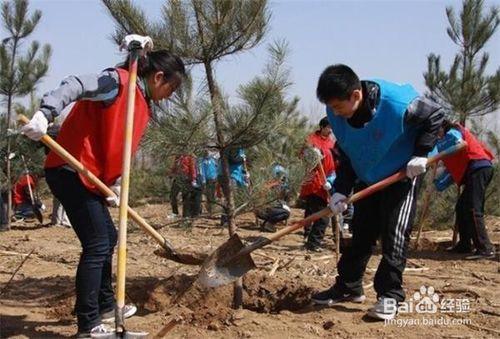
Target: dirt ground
<point>39,300</point>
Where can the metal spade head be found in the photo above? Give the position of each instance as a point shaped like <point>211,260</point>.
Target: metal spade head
<point>38,213</point>
<point>223,266</point>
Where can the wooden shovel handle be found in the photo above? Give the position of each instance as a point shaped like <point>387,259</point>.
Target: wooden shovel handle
<point>78,166</point>
<point>325,212</point>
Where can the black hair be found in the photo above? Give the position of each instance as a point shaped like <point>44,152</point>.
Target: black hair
<point>162,60</point>
<point>448,124</point>
<point>324,122</point>
<point>337,82</point>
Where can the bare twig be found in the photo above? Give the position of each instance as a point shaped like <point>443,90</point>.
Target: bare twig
<point>17,269</point>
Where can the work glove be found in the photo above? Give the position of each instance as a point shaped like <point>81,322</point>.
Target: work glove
<point>114,201</point>
<point>130,40</point>
<point>337,203</point>
<point>317,152</point>
<point>327,186</point>
<point>416,166</point>
<point>37,127</point>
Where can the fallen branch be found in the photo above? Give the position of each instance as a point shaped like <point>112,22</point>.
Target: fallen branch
<point>275,267</point>
<point>17,269</point>
<point>264,255</point>
<point>325,257</point>
<point>11,253</point>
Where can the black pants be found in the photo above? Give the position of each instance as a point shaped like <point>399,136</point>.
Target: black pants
<point>94,227</point>
<point>181,184</point>
<point>209,190</point>
<point>387,214</point>
<point>3,208</point>
<point>470,210</point>
<point>315,233</point>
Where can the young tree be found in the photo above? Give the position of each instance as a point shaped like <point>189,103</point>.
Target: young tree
<point>204,32</point>
<point>19,74</point>
<point>465,90</point>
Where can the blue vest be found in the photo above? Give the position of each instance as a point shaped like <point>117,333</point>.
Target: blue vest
<point>385,144</point>
<point>209,168</point>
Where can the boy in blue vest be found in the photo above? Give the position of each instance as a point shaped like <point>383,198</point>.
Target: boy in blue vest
<point>380,127</point>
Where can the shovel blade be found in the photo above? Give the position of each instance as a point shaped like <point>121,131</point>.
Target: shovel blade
<point>217,270</point>
<point>38,214</point>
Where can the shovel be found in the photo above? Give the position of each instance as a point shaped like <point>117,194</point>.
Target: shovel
<point>34,207</point>
<point>169,250</point>
<point>232,259</point>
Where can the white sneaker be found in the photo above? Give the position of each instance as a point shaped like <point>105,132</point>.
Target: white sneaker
<point>96,332</point>
<point>128,311</point>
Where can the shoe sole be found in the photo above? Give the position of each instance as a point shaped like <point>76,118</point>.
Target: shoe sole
<point>330,302</point>
<point>380,316</point>
<point>479,257</point>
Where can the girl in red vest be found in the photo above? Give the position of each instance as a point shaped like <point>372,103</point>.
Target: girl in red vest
<point>315,191</point>
<point>472,169</point>
<point>93,132</point>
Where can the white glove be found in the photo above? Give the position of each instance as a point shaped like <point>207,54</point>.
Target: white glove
<point>194,183</point>
<point>145,42</point>
<point>114,201</point>
<point>416,166</point>
<point>327,186</point>
<point>337,203</point>
<point>37,127</point>
<point>318,153</point>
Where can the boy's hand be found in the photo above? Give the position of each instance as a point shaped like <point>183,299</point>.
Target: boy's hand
<point>416,166</point>
<point>337,203</point>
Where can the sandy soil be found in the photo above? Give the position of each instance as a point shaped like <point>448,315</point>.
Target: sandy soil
<point>39,300</point>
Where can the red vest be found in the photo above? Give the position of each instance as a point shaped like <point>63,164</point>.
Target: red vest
<point>18,192</point>
<point>314,182</point>
<point>94,134</point>
<point>457,163</point>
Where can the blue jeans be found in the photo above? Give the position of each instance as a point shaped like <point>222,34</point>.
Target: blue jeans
<point>90,218</point>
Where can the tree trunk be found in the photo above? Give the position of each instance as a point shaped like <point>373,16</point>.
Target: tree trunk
<point>225,182</point>
<point>9,119</point>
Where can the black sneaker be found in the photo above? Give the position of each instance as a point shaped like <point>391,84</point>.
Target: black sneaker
<point>268,227</point>
<point>460,249</point>
<point>384,309</point>
<point>312,248</point>
<point>478,255</point>
<point>331,297</point>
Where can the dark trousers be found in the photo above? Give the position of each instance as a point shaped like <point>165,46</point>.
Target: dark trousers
<point>3,208</point>
<point>209,189</point>
<point>470,210</point>
<point>315,233</point>
<point>181,184</point>
<point>94,227</point>
<point>194,202</point>
<point>387,214</point>
<point>175,189</point>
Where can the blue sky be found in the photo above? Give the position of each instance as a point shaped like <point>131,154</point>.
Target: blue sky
<point>387,39</point>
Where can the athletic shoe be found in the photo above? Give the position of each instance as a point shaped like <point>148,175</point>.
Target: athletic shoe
<point>331,297</point>
<point>459,249</point>
<point>128,311</point>
<point>384,309</point>
<point>478,255</point>
<point>96,332</point>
